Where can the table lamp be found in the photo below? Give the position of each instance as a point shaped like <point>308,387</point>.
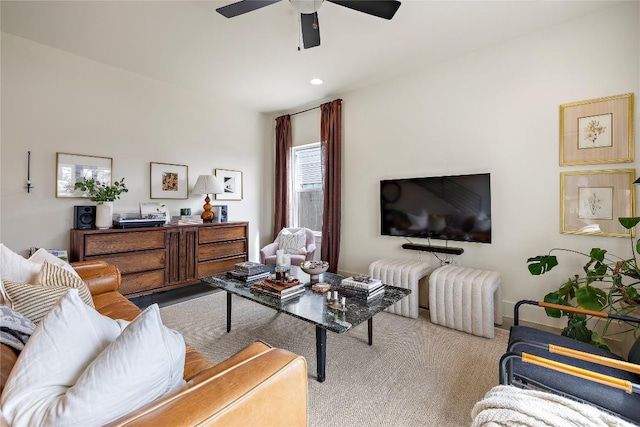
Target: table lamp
<point>207,184</point>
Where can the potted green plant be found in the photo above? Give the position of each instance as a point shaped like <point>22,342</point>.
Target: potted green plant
<point>608,283</point>
<point>101,192</point>
<point>104,195</point>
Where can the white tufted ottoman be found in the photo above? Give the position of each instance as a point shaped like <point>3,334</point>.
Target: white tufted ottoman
<point>403,274</point>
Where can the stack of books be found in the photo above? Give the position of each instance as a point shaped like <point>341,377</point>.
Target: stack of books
<point>249,271</point>
<point>362,287</point>
<point>186,219</point>
<point>279,289</point>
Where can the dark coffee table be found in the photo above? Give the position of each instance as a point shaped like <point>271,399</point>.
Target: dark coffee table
<point>312,307</point>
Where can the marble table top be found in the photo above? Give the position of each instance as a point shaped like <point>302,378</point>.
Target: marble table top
<point>311,306</point>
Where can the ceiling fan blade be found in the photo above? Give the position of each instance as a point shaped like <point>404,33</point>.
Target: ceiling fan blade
<point>310,29</point>
<point>380,8</point>
<point>244,6</point>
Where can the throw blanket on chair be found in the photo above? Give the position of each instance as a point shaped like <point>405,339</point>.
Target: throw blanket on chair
<point>506,406</point>
<point>15,329</point>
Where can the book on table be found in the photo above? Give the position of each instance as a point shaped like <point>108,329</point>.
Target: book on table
<point>361,283</point>
<point>279,288</point>
<point>362,294</point>
<point>277,291</point>
<point>250,268</point>
<point>246,277</point>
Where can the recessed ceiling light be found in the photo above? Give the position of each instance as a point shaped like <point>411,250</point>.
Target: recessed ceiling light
<point>316,81</point>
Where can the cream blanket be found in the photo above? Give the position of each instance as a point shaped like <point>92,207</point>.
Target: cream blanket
<point>509,406</point>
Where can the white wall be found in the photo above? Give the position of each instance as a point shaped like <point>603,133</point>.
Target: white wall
<point>496,111</point>
<point>492,111</point>
<point>53,101</point>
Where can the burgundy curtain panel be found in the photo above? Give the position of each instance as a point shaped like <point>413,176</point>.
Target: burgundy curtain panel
<point>331,142</point>
<point>283,164</point>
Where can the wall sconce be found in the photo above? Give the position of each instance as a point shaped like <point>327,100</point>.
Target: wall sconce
<point>28,187</point>
<point>207,184</point>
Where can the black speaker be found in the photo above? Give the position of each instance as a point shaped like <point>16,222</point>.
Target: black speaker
<point>221,213</point>
<point>84,217</point>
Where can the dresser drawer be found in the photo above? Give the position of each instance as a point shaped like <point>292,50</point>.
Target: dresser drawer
<point>137,262</point>
<point>111,243</point>
<point>217,234</point>
<point>210,268</point>
<point>140,282</point>
<point>221,250</point>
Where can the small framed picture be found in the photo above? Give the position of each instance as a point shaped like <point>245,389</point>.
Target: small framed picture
<point>592,201</point>
<point>153,210</point>
<point>232,184</point>
<point>169,181</point>
<point>72,168</point>
<point>597,131</point>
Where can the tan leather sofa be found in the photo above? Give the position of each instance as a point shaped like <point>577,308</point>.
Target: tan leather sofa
<point>258,386</point>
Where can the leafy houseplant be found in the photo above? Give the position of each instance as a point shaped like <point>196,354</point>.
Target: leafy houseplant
<point>609,283</point>
<point>101,192</point>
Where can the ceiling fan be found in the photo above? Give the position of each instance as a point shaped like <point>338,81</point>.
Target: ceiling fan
<point>309,12</point>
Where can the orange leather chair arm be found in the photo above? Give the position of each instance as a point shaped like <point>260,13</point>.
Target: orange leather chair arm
<point>237,392</point>
<point>8,358</point>
<point>99,276</point>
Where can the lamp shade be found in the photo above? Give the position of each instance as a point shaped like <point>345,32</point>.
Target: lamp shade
<point>207,184</point>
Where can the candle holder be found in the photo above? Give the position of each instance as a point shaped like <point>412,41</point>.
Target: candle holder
<point>335,302</point>
<point>29,187</point>
<point>281,272</point>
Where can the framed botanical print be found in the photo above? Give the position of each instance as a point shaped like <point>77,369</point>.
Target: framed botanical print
<point>592,201</point>
<point>169,181</point>
<point>597,131</point>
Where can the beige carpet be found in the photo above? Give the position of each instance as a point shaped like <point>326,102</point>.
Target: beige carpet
<point>415,374</point>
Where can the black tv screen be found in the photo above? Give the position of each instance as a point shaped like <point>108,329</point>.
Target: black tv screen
<point>442,207</point>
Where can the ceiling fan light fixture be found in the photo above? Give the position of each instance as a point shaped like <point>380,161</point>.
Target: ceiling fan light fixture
<point>306,6</point>
<point>316,81</point>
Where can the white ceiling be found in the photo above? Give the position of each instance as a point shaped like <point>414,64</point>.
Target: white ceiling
<point>253,60</point>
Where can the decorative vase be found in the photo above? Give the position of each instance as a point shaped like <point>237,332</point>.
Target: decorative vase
<point>104,215</point>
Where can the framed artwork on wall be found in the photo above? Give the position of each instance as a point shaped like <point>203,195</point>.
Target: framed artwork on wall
<point>597,131</point>
<point>592,201</point>
<point>231,182</point>
<point>72,168</point>
<point>169,181</point>
<point>153,210</point>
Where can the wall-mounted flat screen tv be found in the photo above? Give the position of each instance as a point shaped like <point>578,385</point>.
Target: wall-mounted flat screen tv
<point>454,207</point>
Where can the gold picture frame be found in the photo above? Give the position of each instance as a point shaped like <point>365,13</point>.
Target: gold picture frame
<point>168,181</point>
<point>597,131</point>
<point>592,201</point>
<point>72,168</point>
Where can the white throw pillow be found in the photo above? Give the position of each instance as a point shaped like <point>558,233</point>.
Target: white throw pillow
<point>142,364</point>
<point>42,255</point>
<point>60,349</point>
<point>293,243</point>
<point>17,268</point>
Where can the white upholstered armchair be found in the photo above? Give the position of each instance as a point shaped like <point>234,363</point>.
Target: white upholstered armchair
<point>303,253</point>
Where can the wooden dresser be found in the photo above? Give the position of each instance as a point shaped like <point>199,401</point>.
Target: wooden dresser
<point>153,259</point>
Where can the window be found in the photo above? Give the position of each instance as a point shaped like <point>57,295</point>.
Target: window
<point>307,187</point>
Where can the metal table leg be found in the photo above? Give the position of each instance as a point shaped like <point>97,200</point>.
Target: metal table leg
<point>370,330</point>
<point>321,352</point>
<point>228,312</point>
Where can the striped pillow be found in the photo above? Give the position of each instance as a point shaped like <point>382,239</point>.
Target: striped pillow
<point>53,275</point>
<point>35,301</point>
